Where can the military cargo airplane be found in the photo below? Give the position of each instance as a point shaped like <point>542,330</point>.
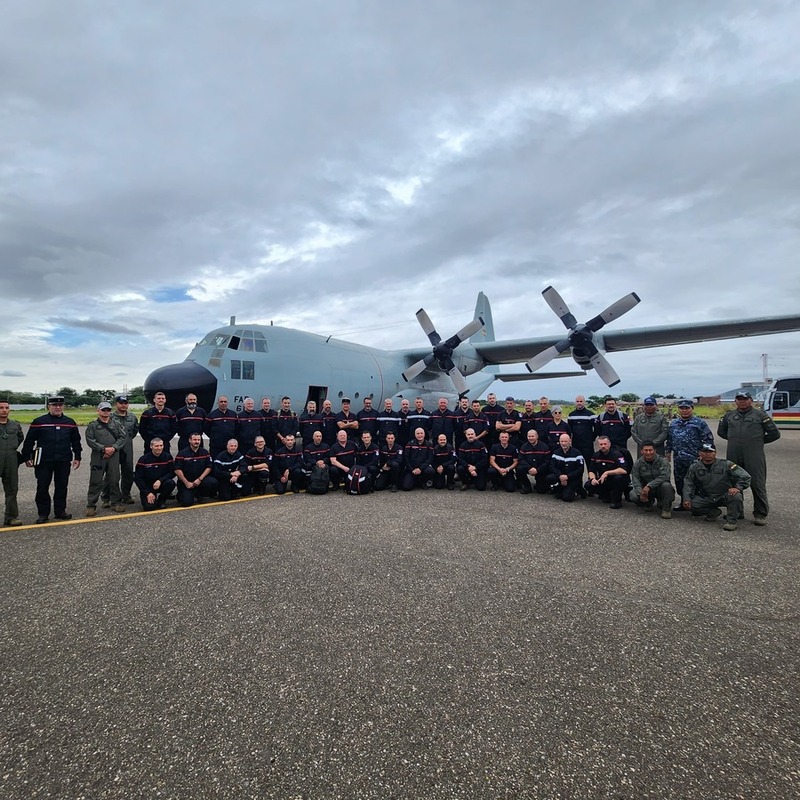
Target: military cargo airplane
<point>258,361</point>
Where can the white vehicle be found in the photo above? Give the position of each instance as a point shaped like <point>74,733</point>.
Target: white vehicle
<point>782,402</point>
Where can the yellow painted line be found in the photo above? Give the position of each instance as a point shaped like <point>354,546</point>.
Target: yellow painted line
<point>129,515</point>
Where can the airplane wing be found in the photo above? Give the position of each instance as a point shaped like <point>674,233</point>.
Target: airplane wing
<point>513,351</point>
<point>536,376</point>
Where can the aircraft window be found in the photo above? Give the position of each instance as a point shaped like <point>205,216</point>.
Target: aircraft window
<point>214,362</point>
<point>236,370</point>
<point>218,353</point>
<point>261,345</point>
<point>217,339</point>
<point>258,334</point>
<point>247,345</point>
<point>234,345</point>
<point>248,370</point>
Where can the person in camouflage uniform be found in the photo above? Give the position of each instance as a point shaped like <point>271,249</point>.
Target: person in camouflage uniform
<point>747,430</point>
<point>10,440</point>
<point>650,480</point>
<point>712,482</point>
<point>650,425</point>
<point>686,435</point>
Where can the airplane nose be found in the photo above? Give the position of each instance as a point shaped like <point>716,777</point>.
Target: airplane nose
<point>177,380</point>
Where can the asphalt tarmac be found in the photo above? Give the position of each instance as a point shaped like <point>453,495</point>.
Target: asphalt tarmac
<point>412,645</point>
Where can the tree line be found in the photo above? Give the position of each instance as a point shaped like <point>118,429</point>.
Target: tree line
<point>72,397</point>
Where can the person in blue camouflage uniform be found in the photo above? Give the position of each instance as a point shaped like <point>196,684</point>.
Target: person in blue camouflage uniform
<point>686,435</point>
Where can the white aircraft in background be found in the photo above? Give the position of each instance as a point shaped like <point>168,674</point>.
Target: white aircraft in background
<point>269,361</point>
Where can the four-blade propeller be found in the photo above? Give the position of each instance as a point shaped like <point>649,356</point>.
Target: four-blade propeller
<point>579,339</point>
<point>442,352</point>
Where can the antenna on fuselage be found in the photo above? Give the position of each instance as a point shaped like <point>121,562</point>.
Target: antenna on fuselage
<point>233,321</point>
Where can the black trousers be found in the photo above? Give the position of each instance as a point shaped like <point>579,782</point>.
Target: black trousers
<point>56,472</point>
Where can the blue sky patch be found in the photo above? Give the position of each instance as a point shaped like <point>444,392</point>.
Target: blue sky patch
<point>171,294</point>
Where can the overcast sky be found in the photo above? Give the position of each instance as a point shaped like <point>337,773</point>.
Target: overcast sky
<point>334,166</point>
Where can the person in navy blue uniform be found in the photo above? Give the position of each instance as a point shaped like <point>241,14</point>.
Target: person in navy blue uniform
<point>444,463</point>
<point>543,416</point>
<point>268,415</point>
<point>368,456</point>
<point>509,422</point>
<point>158,421</point>
<point>503,461</point>
<point>478,421</point>
<point>347,421</point>
<point>59,442</point>
<point>418,467</point>
<point>391,464</point>
<point>442,420</point>
<point>193,469</point>
<point>566,470</point>
<point>492,411</point>
<point>608,473</point>
<point>259,465</point>
<point>154,476</point>
<point>342,459</point>
<point>190,419</point>
<point>230,470</point>
<point>368,420</point>
<point>534,464</point>
<point>221,426</point>
<point>250,424</point>
<point>328,423</point>
<point>309,422</point>
<point>473,461</point>
<point>555,427</point>
<point>615,424</point>
<point>286,423</point>
<point>388,421</point>
<point>289,464</point>
<point>419,417</point>
<point>582,421</point>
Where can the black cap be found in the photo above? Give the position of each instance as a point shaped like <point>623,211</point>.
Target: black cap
<point>121,398</point>
<point>345,399</point>
<point>55,399</point>
<point>742,395</point>
<point>685,404</point>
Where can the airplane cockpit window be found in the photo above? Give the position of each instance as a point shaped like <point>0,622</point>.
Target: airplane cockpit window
<point>216,339</point>
<point>244,339</point>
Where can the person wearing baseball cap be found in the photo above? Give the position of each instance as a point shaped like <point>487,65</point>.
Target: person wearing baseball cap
<point>747,429</point>
<point>685,436</point>
<point>651,425</point>
<point>105,437</point>
<point>712,482</point>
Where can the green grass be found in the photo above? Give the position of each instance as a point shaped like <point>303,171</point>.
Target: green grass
<point>83,416</point>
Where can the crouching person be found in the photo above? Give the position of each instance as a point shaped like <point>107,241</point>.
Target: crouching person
<point>712,482</point>
<point>259,463</point>
<point>193,468</point>
<point>154,476</point>
<point>650,480</point>
<point>230,471</point>
<point>289,466</point>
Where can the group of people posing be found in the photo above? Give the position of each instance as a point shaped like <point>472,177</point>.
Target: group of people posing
<point>477,446</point>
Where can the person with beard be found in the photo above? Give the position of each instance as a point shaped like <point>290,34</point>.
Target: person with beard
<point>190,419</point>
<point>259,465</point>
<point>221,426</point>
<point>158,421</point>
<point>534,463</point>
<point>444,463</point>
<point>582,421</point>
<point>193,468</point>
<point>154,476</point>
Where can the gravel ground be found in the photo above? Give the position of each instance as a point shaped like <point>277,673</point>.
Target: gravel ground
<point>421,645</point>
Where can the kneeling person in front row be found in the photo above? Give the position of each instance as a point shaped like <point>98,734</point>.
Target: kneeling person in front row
<point>712,482</point>
<point>230,470</point>
<point>193,468</point>
<point>473,461</point>
<point>289,466</point>
<point>444,463</point>
<point>418,456</point>
<point>608,475</point>
<point>259,464</point>
<point>154,476</point>
<point>503,461</point>
<point>650,480</point>
<point>566,469</point>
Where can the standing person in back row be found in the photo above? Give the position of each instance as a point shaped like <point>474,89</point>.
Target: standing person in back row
<point>59,442</point>
<point>106,438</point>
<point>686,435</point>
<point>190,419</point>
<point>650,426</point>
<point>158,420</point>
<point>747,430</point>
<point>131,427</point>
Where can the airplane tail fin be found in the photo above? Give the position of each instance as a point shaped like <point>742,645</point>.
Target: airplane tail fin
<point>483,309</point>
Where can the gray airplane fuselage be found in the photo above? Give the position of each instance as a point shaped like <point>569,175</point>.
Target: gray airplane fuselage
<point>257,361</point>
